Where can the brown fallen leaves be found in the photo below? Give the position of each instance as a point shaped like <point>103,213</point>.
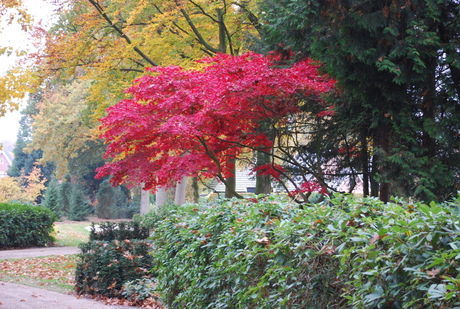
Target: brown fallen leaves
<point>57,269</point>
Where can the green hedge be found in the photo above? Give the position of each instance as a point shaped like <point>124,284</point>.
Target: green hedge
<point>109,231</point>
<point>240,254</point>
<point>104,267</point>
<point>342,253</point>
<point>23,226</point>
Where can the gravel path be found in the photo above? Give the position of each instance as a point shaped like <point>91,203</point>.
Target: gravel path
<point>36,252</point>
<point>16,296</point>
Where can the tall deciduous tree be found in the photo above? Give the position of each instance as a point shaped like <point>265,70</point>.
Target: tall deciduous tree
<point>26,158</point>
<point>397,64</point>
<point>61,128</point>
<point>110,43</point>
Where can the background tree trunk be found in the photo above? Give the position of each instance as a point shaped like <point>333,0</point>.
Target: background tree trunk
<point>263,183</point>
<point>230,186</point>
<point>179,197</point>
<point>161,197</point>
<point>145,201</point>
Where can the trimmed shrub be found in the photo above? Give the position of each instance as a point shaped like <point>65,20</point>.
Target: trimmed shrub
<point>240,254</point>
<point>154,217</point>
<point>139,291</point>
<point>23,226</point>
<point>403,255</point>
<point>109,231</point>
<point>104,267</point>
<point>342,253</point>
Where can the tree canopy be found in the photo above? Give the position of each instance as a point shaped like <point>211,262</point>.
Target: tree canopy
<point>106,45</point>
<point>195,122</point>
<point>397,65</point>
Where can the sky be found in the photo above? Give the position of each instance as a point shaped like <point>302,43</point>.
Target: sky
<point>13,36</point>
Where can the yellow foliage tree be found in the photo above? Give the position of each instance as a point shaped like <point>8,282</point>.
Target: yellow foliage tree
<point>61,128</point>
<point>10,190</point>
<point>108,44</point>
<point>112,42</point>
<point>15,83</point>
<point>22,189</point>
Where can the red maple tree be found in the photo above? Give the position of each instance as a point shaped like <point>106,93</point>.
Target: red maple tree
<point>194,122</point>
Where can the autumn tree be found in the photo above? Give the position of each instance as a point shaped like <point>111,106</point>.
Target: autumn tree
<point>61,128</point>
<point>26,189</point>
<point>111,43</point>
<point>14,82</point>
<point>396,63</point>
<point>196,122</point>
<point>26,158</point>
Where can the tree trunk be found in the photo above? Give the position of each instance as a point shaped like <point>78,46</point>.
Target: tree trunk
<point>230,186</point>
<point>179,197</point>
<point>222,40</point>
<point>145,201</point>
<point>196,192</point>
<point>374,184</point>
<point>365,163</point>
<point>384,146</point>
<point>161,197</point>
<point>263,182</point>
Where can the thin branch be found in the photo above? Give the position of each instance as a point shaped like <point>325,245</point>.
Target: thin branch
<point>197,33</point>
<point>101,12</point>
<point>213,157</point>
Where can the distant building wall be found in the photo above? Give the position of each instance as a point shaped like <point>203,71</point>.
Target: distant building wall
<point>5,162</point>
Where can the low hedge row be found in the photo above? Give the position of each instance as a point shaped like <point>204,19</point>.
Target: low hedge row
<point>23,226</point>
<point>342,253</point>
<point>109,231</point>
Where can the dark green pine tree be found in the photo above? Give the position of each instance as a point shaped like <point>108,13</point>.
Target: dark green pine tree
<point>79,207</point>
<point>65,191</point>
<point>113,202</point>
<point>397,64</point>
<point>51,199</point>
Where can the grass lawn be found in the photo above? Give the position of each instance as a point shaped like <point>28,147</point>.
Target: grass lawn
<point>71,234</point>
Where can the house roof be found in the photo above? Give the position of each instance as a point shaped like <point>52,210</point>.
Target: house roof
<point>8,156</point>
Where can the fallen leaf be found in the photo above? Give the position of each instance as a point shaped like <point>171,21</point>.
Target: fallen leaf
<point>433,273</point>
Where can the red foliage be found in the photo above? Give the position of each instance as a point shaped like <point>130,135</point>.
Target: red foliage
<point>309,186</point>
<point>351,152</point>
<point>273,170</point>
<point>183,122</point>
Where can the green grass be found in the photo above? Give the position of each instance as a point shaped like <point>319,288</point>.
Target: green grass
<point>71,234</point>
